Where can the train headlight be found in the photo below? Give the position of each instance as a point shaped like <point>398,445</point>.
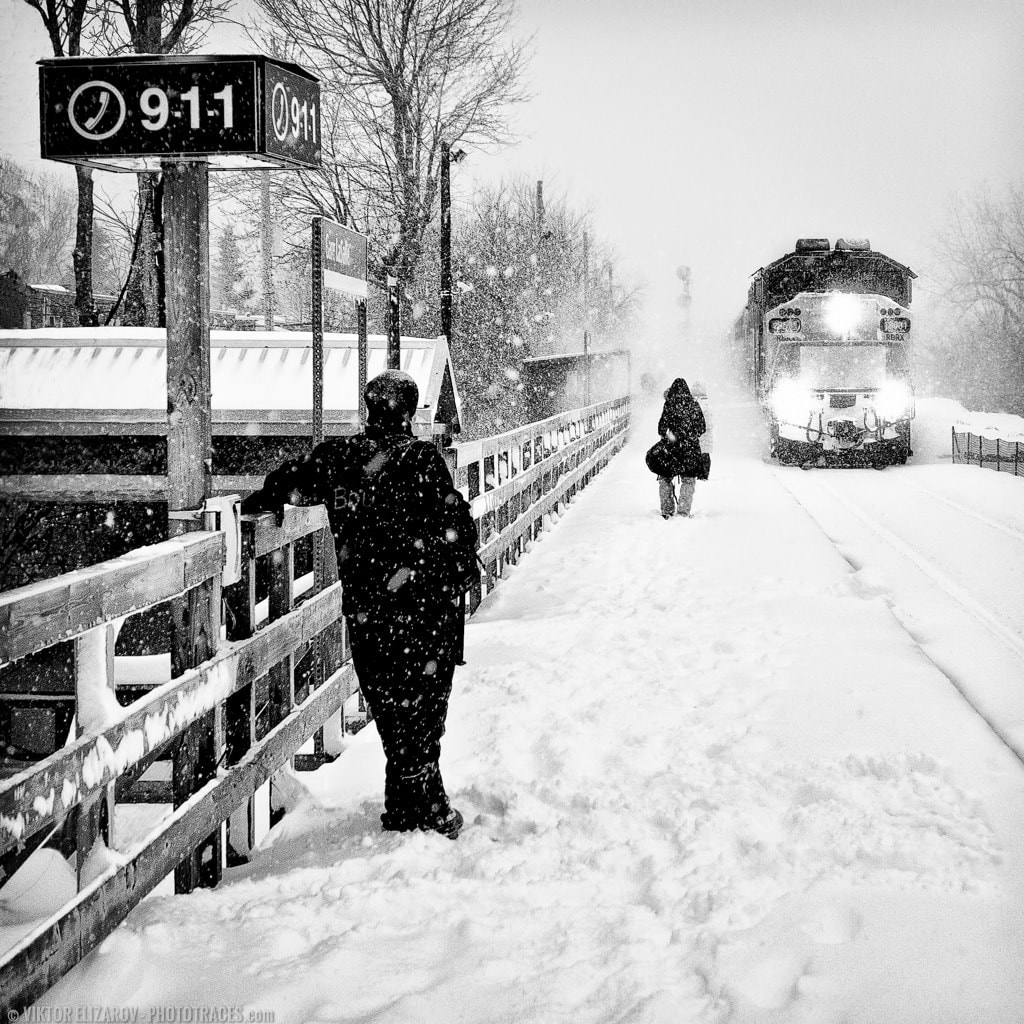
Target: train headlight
<point>790,401</point>
<point>843,313</point>
<point>892,401</point>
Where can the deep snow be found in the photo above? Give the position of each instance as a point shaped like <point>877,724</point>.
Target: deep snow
<point>709,776</point>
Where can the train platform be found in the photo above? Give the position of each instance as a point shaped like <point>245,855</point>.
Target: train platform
<point>708,775</point>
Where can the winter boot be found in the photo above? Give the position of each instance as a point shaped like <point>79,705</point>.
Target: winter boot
<point>450,825</point>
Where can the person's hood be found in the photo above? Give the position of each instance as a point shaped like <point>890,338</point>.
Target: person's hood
<point>678,389</point>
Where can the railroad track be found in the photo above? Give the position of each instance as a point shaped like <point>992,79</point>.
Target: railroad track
<point>975,642</point>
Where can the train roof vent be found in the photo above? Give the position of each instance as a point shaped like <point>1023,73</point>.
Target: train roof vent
<point>811,245</point>
<point>854,244</point>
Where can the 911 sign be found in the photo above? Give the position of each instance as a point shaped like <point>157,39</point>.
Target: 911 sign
<point>129,113</point>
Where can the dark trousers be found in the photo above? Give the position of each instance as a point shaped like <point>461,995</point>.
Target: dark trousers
<point>405,665</point>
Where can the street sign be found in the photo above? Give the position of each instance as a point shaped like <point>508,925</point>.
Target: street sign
<point>338,262</point>
<point>130,113</point>
<point>344,259</point>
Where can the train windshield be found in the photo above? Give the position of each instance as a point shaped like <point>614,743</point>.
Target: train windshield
<point>843,366</point>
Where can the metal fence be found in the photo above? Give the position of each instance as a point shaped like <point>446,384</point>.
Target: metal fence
<point>989,453</point>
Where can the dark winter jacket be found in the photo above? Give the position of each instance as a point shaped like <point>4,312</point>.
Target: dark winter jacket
<point>682,421</point>
<point>391,504</point>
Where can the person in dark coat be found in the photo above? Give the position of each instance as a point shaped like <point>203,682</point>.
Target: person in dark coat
<point>681,422</point>
<point>388,496</point>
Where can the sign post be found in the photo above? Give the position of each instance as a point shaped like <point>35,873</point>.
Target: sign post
<point>184,116</point>
<point>339,263</point>
<point>186,250</point>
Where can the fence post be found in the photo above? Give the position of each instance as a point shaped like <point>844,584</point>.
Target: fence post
<point>197,753</point>
<point>999,457</point>
<point>94,697</point>
<point>240,724</point>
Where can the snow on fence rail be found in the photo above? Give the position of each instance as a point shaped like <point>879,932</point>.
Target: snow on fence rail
<point>989,453</point>
<point>234,711</point>
<point>266,674</point>
<point>513,480</point>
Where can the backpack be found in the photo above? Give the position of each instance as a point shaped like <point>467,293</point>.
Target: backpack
<point>462,565</point>
<point>386,561</point>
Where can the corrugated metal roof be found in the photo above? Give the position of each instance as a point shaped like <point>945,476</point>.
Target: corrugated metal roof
<point>125,369</point>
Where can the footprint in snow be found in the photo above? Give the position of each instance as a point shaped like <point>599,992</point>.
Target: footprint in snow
<point>772,983</point>
<point>832,925</point>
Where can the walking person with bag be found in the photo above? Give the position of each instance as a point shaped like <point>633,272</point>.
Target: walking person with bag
<point>406,548</point>
<point>677,454</point>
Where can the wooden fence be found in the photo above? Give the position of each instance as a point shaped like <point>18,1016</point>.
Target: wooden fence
<point>256,671</point>
<point>239,704</point>
<point>514,480</point>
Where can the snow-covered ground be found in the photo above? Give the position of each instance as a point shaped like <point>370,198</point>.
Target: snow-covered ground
<point>714,770</point>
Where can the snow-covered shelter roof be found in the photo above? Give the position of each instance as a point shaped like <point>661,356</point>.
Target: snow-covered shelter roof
<point>113,380</point>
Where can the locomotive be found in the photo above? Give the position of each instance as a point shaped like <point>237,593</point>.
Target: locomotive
<point>827,331</point>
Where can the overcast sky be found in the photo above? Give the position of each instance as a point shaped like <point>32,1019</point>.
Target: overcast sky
<point>713,133</point>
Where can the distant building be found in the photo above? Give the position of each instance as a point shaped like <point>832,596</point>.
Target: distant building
<point>33,306</point>
<point>559,383</point>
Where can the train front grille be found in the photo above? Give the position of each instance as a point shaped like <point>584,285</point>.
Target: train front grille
<point>842,401</point>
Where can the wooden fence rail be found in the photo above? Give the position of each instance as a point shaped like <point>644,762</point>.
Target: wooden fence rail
<point>237,707</point>
<point>514,480</point>
<point>260,669</point>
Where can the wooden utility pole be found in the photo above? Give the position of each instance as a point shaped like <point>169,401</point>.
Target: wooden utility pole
<point>446,244</point>
<point>362,353</point>
<point>318,329</point>
<point>267,248</point>
<point>394,326</point>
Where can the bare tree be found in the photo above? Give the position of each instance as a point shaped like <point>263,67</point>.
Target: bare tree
<point>116,230</point>
<point>974,329</point>
<point>528,279</point>
<point>163,27</point>
<point>37,219</point>
<point>158,26</point>
<point>65,22</point>
<point>399,78</point>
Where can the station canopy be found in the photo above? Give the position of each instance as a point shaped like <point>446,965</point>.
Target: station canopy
<point>113,381</point>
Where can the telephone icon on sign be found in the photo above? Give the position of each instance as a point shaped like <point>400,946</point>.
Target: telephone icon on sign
<point>98,116</point>
<point>90,112</point>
